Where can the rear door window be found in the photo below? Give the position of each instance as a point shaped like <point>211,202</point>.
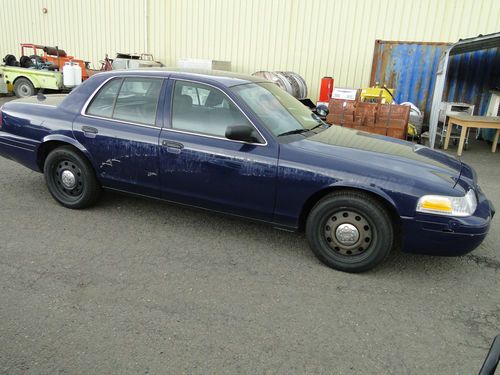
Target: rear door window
<point>138,100</point>
<point>131,99</point>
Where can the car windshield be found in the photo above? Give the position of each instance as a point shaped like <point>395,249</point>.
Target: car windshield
<point>280,112</point>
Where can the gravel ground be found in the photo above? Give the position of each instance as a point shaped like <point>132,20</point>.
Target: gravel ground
<point>140,286</point>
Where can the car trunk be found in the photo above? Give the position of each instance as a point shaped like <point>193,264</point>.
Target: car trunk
<point>52,100</point>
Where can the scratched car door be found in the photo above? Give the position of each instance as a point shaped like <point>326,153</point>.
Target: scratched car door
<point>200,166</point>
<point>120,128</point>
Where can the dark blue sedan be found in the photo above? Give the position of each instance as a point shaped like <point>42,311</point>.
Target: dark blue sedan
<point>240,145</point>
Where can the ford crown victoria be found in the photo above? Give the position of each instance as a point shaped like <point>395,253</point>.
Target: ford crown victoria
<point>240,145</point>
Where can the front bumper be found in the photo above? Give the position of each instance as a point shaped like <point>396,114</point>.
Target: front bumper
<point>447,236</point>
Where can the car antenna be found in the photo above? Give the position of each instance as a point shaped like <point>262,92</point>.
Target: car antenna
<point>40,96</point>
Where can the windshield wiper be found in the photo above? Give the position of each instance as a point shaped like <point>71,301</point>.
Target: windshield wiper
<point>320,124</point>
<point>295,131</point>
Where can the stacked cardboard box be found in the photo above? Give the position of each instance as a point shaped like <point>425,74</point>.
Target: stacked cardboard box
<point>384,119</point>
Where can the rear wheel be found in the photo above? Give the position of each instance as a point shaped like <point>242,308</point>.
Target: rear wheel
<point>350,231</point>
<point>70,178</point>
<point>23,88</point>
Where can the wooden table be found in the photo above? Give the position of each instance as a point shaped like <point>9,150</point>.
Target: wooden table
<point>468,121</point>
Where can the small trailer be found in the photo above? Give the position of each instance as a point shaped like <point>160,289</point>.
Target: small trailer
<point>41,67</point>
<point>54,57</point>
<point>26,82</point>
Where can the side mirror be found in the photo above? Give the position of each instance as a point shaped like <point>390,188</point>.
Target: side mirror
<point>243,133</point>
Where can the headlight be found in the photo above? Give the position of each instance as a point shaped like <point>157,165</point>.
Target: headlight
<point>449,206</point>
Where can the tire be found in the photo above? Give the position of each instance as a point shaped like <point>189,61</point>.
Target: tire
<point>70,178</point>
<point>10,60</point>
<point>25,62</point>
<point>332,238</point>
<point>23,88</point>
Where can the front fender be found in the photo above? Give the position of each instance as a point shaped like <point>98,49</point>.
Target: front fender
<point>368,188</point>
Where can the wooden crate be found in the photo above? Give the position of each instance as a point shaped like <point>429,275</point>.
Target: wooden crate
<point>391,111</point>
<point>339,119</point>
<point>338,106</point>
<point>381,130</point>
<point>364,119</point>
<point>383,119</point>
<point>396,133</point>
<point>366,109</point>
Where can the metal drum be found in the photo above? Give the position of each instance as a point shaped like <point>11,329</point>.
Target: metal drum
<point>291,82</point>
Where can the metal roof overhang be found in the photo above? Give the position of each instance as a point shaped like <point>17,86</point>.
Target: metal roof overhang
<point>462,46</point>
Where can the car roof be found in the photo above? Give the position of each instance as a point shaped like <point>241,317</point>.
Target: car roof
<point>225,78</point>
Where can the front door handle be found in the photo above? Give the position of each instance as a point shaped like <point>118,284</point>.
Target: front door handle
<point>172,147</point>
<point>89,131</point>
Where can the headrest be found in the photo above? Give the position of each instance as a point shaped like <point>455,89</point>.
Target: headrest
<point>183,101</point>
<point>214,98</point>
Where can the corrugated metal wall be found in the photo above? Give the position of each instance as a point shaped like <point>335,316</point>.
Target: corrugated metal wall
<point>471,76</point>
<point>85,29</point>
<point>312,37</point>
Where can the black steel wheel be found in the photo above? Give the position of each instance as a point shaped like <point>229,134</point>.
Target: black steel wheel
<point>350,231</point>
<point>23,88</point>
<point>70,178</point>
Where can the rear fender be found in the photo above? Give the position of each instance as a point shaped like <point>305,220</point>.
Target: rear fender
<point>71,141</point>
<point>33,80</point>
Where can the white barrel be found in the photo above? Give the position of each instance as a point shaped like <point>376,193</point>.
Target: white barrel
<point>69,75</point>
<point>77,74</point>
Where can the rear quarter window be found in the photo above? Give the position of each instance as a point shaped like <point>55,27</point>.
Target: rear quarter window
<point>103,103</point>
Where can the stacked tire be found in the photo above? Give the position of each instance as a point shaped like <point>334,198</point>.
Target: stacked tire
<point>291,82</point>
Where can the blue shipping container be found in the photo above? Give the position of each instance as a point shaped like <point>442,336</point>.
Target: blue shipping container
<point>410,68</point>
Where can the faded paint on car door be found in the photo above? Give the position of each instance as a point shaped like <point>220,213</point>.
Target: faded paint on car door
<point>121,133</point>
<point>199,166</point>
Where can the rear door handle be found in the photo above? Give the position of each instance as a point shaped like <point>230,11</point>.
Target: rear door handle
<point>89,131</point>
<point>172,147</point>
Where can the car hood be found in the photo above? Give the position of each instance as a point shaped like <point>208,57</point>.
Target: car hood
<point>381,149</point>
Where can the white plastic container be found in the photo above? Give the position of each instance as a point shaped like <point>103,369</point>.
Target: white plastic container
<point>72,74</point>
<point>77,74</point>
<point>68,75</point>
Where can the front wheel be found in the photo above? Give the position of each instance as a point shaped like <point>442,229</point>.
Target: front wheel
<point>350,231</point>
<point>70,178</point>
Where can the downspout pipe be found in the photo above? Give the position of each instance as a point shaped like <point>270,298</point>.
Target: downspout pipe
<point>146,27</point>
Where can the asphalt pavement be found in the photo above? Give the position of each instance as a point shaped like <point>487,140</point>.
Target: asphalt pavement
<point>140,286</point>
